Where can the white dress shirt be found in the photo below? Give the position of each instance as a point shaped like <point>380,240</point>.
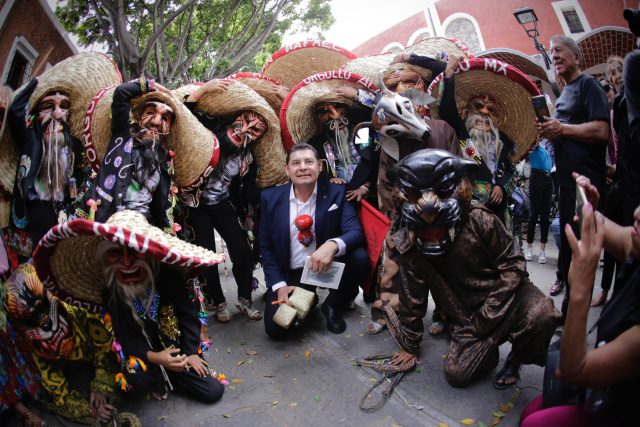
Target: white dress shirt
<point>298,252</point>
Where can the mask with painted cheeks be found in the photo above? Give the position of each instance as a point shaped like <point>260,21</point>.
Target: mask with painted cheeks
<point>432,192</point>
<point>53,112</point>
<point>483,105</point>
<point>38,315</point>
<point>247,127</point>
<point>156,119</point>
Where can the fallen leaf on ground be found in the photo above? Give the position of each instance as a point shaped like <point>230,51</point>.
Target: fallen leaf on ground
<point>443,425</point>
<point>419,369</point>
<point>240,362</point>
<point>228,349</point>
<point>317,398</point>
<point>498,414</point>
<point>275,402</point>
<point>307,354</point>
<point>231,387</point>
<point>360,335</point>
<point>348,336</point>
<point>286,355</point>
<point>506,407</point>
<point>373,380</point>
<point>226,415</point>
<point>481,424</point>
<point>495,421</point>
<point>163,417</point>
<point>293,404</point>
<point>236,380</point>
<point>467,421</point>
<point>250,361</point>
<point>251,353</point>
<point>268,375</point>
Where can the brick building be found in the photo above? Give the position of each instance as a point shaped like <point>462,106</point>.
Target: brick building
<point>31,40</point>
<point>489,28</point>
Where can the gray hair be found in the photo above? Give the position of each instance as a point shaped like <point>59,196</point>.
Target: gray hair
<point>570,43</point>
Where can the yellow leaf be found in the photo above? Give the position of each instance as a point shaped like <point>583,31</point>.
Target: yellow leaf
<point>251,353</point>
<point>443,425</point>
<point>236,380</point>
<point>293,404</point>
<point>275,402</point>
<point>307,354</point>
<point>240,362</point>
<point>495,421</point>
<point>506,407</point>
<point>467,421</point>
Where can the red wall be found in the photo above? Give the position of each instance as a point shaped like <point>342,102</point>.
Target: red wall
<point>398,33</point>
<point>29,20</point>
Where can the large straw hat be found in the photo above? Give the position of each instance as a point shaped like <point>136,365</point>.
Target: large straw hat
<point>268,150</point>
<point>272,91</point>
<point>372,67</point>
<point>434,47</point>
<point>196,148</point>
<point>296,61</point>
<point>511,89</point>
<point>79,77</point>
<point>66,258</point>
<point>297,117</point>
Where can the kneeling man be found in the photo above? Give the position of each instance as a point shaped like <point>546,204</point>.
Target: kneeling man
<point>336,234</point>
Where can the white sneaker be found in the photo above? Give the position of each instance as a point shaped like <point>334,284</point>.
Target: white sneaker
<point>542,259</point>
<point>527,254</point>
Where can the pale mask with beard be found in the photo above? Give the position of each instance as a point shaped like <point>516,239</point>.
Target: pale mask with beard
<point>57,159</point>
<point>333,117</point>
<point>130,272</point>
<point>481,116</point>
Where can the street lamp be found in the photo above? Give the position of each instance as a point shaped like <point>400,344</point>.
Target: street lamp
<point>529,21</point>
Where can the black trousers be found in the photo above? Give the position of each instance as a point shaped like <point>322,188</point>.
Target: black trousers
<point>540,194</point>
<point>224,219</point>
<point>355,270</point>
<point>42,216</point>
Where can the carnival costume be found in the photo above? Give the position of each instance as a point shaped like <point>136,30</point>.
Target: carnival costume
<point>169,315</point>
<point>49,170</point>
<point>71,335</point>
<point>488,298</point>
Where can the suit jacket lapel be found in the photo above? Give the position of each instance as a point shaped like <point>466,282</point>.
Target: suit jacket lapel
<point>282,227</point>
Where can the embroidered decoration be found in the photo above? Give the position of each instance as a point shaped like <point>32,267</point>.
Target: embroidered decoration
<point>117,162</point>
<point>122,382</point>
<point>128,146</point>
<point>109,181</point>
<point>142,311</point>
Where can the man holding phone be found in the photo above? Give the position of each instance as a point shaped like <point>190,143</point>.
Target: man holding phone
<point>580,132</point>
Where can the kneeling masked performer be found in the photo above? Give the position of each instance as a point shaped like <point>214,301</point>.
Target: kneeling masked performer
<point>63,335</point>
<point>476,272</point>
<point>141,274</point>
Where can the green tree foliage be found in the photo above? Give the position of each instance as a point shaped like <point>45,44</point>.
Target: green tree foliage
<point>180,41</point>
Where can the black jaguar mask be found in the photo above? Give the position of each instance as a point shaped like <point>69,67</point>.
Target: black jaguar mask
<point>432,193</point>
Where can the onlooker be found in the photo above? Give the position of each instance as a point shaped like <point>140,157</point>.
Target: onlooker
<point>540,194</point>
<point>614,365</point>
<point>614,71</point>
<point>580,132</point>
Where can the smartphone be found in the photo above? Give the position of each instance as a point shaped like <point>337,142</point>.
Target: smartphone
<point>540,107</point>
<point>581,200</point>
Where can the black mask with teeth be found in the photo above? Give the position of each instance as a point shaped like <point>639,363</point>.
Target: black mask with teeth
<point>432,192</point>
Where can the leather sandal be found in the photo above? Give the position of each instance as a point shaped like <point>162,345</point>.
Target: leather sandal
<point>508,372</point>
<point>375,328</point>
<point>556,288</point>
<point>600,299</point>
<point>437,327</point>
<point>221,313</point>
<point>246,306</point>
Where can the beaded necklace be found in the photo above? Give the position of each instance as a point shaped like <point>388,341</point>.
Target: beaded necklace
<point>153,309</point>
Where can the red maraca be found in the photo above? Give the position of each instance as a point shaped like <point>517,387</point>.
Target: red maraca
<point>304,224</point>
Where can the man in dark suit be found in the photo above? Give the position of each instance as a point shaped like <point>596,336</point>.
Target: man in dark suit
<point>337,233</point>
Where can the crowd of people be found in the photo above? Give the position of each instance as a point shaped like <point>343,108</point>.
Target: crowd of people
<point>113,192</point>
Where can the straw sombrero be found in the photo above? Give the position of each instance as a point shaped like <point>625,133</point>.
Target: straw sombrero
<point>267,88</point>
<point>79,77</point>
<point>371,67</point>
<point>297,116</point>
<point>511,89</point>
<point>196,148</point>
<point>66,261</point>
<point>298,60</point>
<point>435,47</point>
<point>8,160</point>
<point>268,150</point>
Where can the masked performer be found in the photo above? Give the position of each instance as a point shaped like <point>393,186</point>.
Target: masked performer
<point>488,298</point>
<point>45,119</point>
<point>18,374</point>
<point>141,274</point>
<point>494,127</point>
<point>246,128</point>
<point>61,336</point>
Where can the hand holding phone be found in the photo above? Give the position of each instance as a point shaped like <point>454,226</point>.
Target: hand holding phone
<point>540,107</point>
<point>581,201</point>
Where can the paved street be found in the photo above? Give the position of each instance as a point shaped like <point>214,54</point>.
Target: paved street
<point>310,381</point>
